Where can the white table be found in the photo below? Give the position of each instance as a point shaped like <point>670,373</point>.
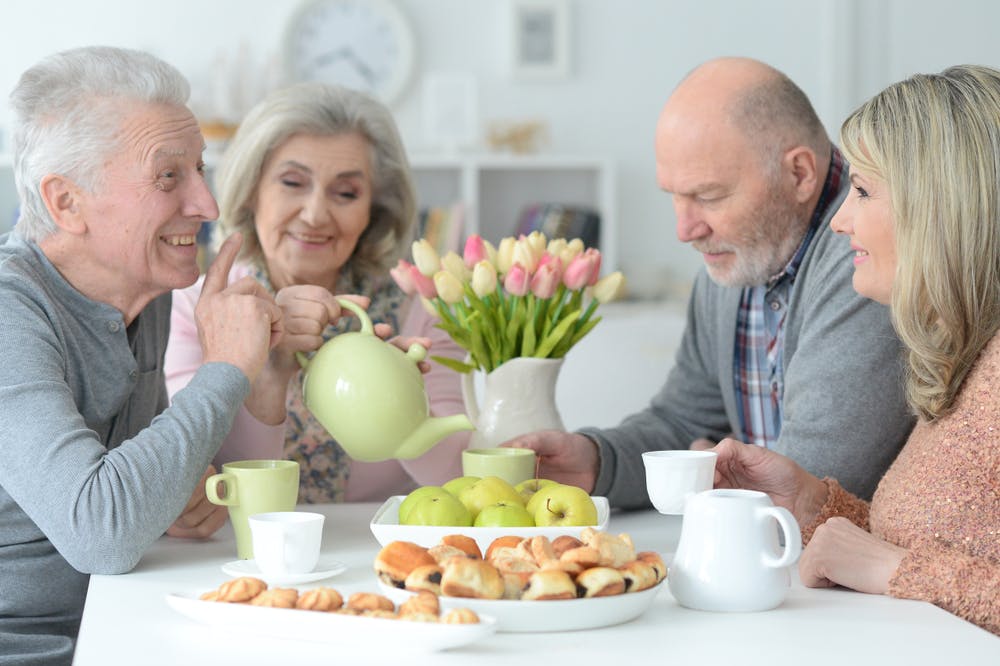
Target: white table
<point>126,620</point>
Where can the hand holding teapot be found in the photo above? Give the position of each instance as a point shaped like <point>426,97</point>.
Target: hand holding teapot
<point>370,395</point>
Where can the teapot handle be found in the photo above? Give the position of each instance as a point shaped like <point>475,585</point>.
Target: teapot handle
<point>359,312</point>
<point>469,394</point>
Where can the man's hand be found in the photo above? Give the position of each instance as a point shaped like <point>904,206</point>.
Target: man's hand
<point>752,467</point>
<point>564,457</point>
<point>841,553</point>
<point>239,323</point>
<point>200,518</point>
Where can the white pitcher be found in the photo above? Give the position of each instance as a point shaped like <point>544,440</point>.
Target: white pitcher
<point>728,557</point>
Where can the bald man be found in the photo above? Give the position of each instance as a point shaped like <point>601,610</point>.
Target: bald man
<point>779,350</point>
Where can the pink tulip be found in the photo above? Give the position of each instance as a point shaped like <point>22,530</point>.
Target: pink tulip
<point>578,273</point>
<point>596,259</point>
<point>401,274</point>
<point>422,283</point>
<point>548,258</point>
<point>516,282</point>
<point>475,251</point>
<point>544,281</point>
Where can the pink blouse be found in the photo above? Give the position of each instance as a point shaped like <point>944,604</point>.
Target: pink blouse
<point>250,439</point>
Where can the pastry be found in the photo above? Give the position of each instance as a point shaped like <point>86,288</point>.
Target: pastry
<point>654,560</point>
<point>474,579</point>
<point>443,552</point>
<point>549,585</point>
<point>422,602</point>
<point>240,590</point>
<point>396,560</point>
<point>419,617</point>
<point>278,597</point>
<point>425,577</point>
<point>367,601</point>
<point>584,556</point>
<point>381,613</point>
<point>600,582</point>
<point>615,551</point>
<point>464,543</point>
<point>638,576</point>
<point>508,541</point>
<point>541,549</point>
<point>563,543</point>
<point>460,616</point>
<point>320,599</point>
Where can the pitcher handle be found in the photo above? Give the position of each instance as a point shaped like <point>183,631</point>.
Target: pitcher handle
<point>469,394</point>
<point>793,537</point>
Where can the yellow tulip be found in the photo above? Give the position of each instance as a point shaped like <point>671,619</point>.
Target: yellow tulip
<point>449,287</point>
<point>505,255</point>
<point>426,257</point>
<point>455,265</point>
<point>525,255</point>
<point>484,278</point>
<point>609,287</point>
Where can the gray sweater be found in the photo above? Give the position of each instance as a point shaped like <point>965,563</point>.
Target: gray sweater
<point>93,465</point>
<point>845,414</point>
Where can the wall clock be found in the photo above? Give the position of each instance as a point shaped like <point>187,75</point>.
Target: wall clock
<point>367,45</point>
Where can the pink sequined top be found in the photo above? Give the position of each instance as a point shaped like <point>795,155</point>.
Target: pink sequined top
<point>941,500</point>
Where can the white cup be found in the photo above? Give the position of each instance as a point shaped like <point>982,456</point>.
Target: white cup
<point>286,542</point>
<point>674,476</point>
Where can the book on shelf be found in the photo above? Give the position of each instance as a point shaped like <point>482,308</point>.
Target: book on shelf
<point>561,221</point>
<point>442,226</point>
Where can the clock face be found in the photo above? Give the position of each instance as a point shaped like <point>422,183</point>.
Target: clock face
<point>362,44</point>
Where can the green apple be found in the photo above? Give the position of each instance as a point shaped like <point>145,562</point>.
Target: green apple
<point>565,505</point>
<point>444,510</point>
<point>488,490</point>
<point>459,483</point>
<point>411,500</point>
<point>531,486</point>
<point>504,514</point>
<point>539,497</point>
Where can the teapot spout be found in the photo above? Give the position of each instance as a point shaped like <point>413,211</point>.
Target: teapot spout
<point>430,432</point>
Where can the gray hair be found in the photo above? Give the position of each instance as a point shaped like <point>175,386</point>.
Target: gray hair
<point>316,108</point>
<point>68,113</point>
<point>775,115</point>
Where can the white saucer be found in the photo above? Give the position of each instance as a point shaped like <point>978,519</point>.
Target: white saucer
<point>326,567</point>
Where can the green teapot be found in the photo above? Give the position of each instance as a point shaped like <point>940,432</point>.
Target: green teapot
<point>369,395</point>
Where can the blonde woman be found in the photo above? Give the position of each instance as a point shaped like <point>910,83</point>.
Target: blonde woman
<point>924,219</point>
<point>317,182</point>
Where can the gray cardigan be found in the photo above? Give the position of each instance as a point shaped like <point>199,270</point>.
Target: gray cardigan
<point>93,465</point>
<point>845,415</point>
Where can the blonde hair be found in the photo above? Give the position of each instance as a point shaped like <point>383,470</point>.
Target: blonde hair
<point>935,140</point>
<point>315,108</point>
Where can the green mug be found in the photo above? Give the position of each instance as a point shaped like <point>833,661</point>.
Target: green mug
<point>250,487</point>
<point>510,464</point>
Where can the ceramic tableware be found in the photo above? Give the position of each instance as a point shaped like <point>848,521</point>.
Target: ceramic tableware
<point>370,395</point>
<point>674,476</point>
<point>253,486</point>
<point>286,542</point>
<point>511,465</point>
<point>728,557</point>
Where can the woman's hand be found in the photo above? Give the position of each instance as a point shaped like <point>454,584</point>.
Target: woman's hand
<point>841,553</point>
<point>384,331</point>
<point>752,467</point>
<point>307,311</point>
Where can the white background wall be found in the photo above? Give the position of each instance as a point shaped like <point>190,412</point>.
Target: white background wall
<point>626,57</point>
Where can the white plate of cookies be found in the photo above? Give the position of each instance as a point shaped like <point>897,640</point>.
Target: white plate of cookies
<point>323,615</point>
<point>386,528</point>
<point>529,584</point>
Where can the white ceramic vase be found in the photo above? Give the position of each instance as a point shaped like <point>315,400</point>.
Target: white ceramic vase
<point>519,397</point>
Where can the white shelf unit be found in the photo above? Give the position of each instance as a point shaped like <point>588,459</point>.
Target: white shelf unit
<point>496,188</point>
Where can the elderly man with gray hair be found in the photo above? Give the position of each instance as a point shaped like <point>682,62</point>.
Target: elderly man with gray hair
<point>95,465</point>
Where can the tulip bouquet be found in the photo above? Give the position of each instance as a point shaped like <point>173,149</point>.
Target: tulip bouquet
<point>529,297</point>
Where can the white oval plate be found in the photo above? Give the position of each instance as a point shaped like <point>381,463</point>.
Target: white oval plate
<point>333,628</point>
<point>326,567</point>
<point>534,616</point>
<point>386,528</point>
